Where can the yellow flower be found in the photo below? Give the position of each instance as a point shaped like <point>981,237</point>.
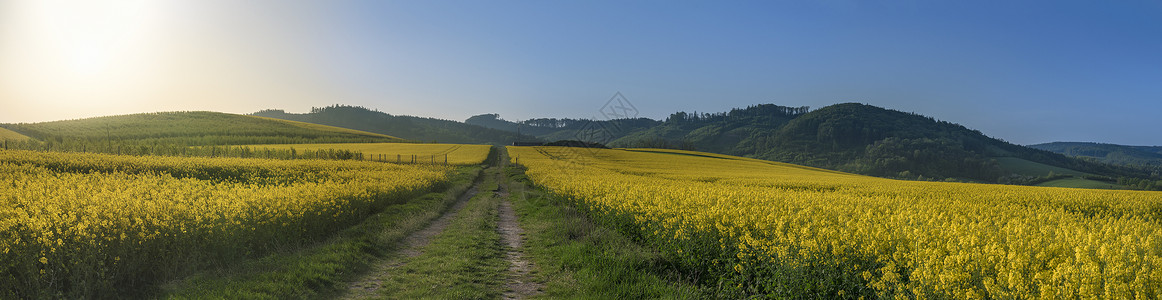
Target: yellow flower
<point>934,240</point>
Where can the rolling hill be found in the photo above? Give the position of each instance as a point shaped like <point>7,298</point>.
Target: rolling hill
<point>848,137</point>
<point>6,134</point>
<point>553,129</point>
<point>1138,156</point>
<point>407,127</point>
<point>188,129</point>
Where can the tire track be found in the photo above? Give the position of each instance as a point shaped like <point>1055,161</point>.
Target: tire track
<point>520,284</point>
<point>368,285</point>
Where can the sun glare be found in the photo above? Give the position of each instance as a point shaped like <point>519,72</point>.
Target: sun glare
<point>78,53</point>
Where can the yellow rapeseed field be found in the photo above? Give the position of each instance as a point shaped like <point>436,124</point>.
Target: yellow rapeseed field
<point>89,224</point>
<point>457,154</point>
<point>776,229</point>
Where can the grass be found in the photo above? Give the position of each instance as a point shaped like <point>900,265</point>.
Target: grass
<point>577,258</point>
<point>191,129</point>
<point>1029,168</point>
<point>728,157</point>
<point>320,270</point>
<point>466,261</point>
<point>6,134</point>
<point>573,256</point>
<point>328,128</point>
<point>1081,183</point>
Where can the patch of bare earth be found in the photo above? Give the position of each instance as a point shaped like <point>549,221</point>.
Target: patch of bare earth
<point>519,284</point>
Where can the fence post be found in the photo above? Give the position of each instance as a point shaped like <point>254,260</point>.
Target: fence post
<point>445,159</point>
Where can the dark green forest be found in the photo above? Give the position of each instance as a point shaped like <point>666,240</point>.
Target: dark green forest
<point>848,137</point>
<point>1143,157</point>
<point>406,127</point>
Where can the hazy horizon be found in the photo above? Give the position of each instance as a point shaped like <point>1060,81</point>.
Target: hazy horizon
<point>1026,72</point>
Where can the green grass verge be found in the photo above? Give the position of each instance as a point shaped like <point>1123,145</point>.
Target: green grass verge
<point>576,258</point>
<point>1081,183</point>
<point>1029,168</point>
<point>318,271</point>
<point>465,261</point>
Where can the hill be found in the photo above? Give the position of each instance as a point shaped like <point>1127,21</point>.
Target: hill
<point>733,132</point>
<point>188,129</point>
<point>553,129</point>
<point>848,137</point>
<point>407,127</point>
<point>737,132</point>
<point>6,134</point>
<point>875,141</point>
<point>1136,156</point>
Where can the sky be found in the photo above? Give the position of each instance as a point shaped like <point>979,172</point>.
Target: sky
<point>1023,71</point>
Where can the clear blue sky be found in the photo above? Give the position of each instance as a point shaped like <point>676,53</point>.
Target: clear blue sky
<point>1024,71</point>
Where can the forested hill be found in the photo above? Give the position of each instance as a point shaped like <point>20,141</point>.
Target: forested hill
<point>1134,156</point>
<point>407,127</point>
<point>553,129</point>
<point>848,137</point>
<point>875,141</point>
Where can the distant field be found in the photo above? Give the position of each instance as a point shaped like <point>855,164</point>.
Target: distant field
<point>326,128</point>
<point>191,129</point>
<point>457,154</point>
<point>6,134</point>
<point>1081,183</point>
<point>731,157</point>
<point>1028,168</point>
